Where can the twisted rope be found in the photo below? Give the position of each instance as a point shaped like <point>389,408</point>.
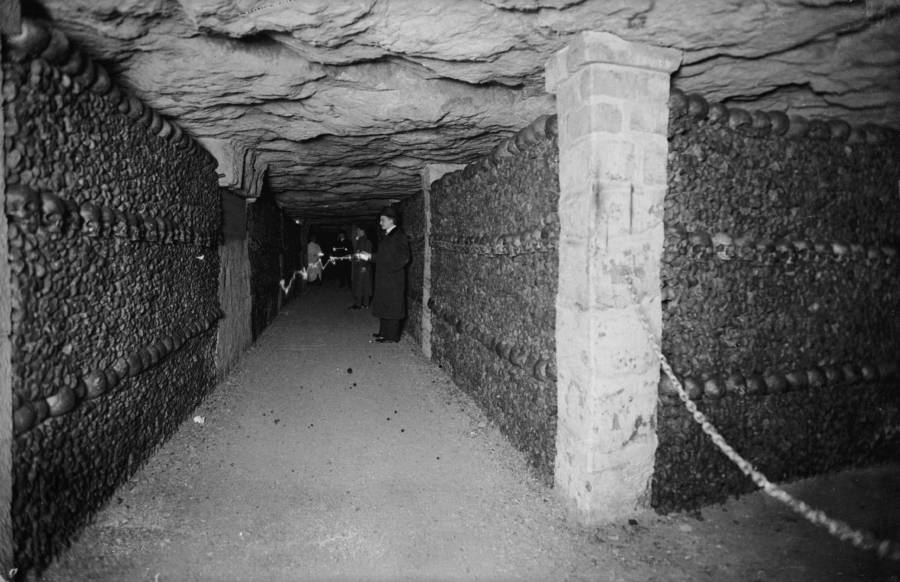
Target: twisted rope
<point>886,549</point>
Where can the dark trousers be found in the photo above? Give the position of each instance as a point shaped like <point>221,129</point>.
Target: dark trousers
<point>389,329</point>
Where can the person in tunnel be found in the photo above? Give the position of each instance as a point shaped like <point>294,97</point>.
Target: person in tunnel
<point>361,275</point>
<point>389,303</point>
<point>314,261</point>
<point>340,252</point>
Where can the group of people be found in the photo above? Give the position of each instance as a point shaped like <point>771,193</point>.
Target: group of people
<point>376,278</point>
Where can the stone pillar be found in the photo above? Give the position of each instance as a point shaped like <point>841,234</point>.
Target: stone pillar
<point>430,174</point>
<point>10,15</point>
<point>612,105</point>
<point>235,330</point>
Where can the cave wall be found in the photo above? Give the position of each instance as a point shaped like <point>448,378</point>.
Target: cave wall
<point>494,279</point>
<point>114,220</point>
<point>780,293</point>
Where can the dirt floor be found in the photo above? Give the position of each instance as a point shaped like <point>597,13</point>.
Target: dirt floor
<point>326,457</point>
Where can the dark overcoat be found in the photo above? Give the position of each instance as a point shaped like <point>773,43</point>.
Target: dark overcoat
<point>390,276</point>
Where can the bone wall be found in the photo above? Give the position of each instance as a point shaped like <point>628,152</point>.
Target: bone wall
<point>413,224</point>
<point>114,223</point>
<point>494,280</point>
<point>6,431</point>
<point>780,281</point>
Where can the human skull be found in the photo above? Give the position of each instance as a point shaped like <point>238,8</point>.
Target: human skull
<point>108,219</point>
<point>135,226</point>
<point>150,228</point>
<point>162,229</point>
<point>22,204</point>
<point>169,229</point>
<point>90,214</point>
<point>119,224</point>
<point>54,212</point>
<point>723,245</point>
<point>72,213</point>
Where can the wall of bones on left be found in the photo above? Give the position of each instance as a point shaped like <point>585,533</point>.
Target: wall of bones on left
<point>113,226</point>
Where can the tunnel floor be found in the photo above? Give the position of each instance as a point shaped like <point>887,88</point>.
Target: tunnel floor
<point>326,457</point>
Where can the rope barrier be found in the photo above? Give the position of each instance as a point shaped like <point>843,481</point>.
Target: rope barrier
<point>286,287</point>
<point>886,549</point>
<point>304,274</point>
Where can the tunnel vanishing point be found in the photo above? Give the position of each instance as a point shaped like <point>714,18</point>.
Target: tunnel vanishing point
<point>585,190</point>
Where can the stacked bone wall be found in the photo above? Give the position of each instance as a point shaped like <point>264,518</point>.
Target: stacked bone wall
<point>780,297</point>
<point>494,279</point>
<point>113,229</point>
<point>413,223</point>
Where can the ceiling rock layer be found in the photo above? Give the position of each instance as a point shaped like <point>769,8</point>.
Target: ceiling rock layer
<point>335,106</point>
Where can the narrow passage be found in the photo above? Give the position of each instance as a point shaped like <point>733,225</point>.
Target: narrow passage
<point>327,457</point>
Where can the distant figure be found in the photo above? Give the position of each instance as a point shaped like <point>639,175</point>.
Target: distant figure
<point>389,304</point>
<point>340,251</point>
<point>313,261</point>
<point>361,276</point>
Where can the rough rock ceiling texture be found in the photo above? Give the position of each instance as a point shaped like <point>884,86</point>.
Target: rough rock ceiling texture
<point>337,104</point>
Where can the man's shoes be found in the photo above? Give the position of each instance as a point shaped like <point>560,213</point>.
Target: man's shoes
<point>384,340</point>
<point>377,335</point>
<point>354,307</point>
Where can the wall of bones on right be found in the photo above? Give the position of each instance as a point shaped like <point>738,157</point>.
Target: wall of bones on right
<point>780,298</point>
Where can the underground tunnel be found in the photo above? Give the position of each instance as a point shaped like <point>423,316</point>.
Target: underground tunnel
<point>629,226</point>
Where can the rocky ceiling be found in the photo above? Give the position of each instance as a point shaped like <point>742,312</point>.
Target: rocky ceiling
<point>336,105</point>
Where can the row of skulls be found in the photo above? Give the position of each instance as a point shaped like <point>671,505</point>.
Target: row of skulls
<point>727,247</point>
<point>27,415</point>
<point>515,243</point>
<point>776,382</point>
<point>541,129</point>
<point>31,210</point>
<point>38,40</point>
<point>540,366</point>
<point>762,123</point>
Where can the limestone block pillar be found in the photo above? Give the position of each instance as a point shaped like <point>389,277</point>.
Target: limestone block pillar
<point>430,174</point>
<point>612,106</point>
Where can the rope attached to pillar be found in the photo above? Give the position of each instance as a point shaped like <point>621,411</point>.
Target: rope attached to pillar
<point>887,549</point>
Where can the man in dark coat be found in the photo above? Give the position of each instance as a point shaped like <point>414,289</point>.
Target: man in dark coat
<point>389,304</point>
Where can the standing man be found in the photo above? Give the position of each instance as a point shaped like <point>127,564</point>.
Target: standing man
<point>362,270</point>
<point>314,256</point>
<point>340,251</point>
<point>389,304</point>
